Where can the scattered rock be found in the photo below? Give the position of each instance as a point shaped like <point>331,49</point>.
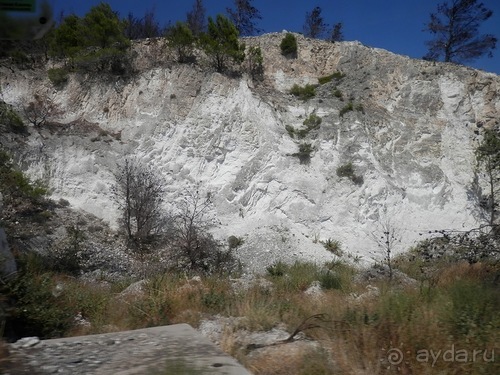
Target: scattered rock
<point>134,290</point>
<point>315,291</point>
<point>371,292</point>
<point>26,342</point>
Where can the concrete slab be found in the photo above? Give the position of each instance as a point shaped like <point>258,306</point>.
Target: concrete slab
<point>174,349</point>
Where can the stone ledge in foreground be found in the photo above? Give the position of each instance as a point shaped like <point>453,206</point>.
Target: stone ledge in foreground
<point>143,351</point>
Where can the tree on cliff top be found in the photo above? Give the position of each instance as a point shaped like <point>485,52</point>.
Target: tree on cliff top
<point>195,19</point>
<point>94,42</point>
<point>314,25</point>
<point>181,39</point>
<point>221,43</point>
<point>455,27</point>
<point>243,17</point>
<point>142,28</point>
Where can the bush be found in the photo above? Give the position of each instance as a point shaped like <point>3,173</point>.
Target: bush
<point>10,118</point>
<point>58,76</point>
<point>277,269</point>
<point>221,44</point>
<point>347,170</point>
<point>289,45</point>
<point>359,108</point>
<point>303,92</point>
<point>20,58</point>
<point>351,107</point>
<point>329,280</point>
<point>334,76</point>
<point>255,63</point>
<point>347,108</point>
<point>15,184</point>
<point>291,130</point>
<point>312,122</point>
<point>234,242</point>
<point>113,60</point>
<point>304,154</point>
<point>337,93</point>
<point>181,39</point>
<point>302,133</point>
<point>473,310</point>
<point>300,276</point>
<point>69,255</point>
<point>38,311</point>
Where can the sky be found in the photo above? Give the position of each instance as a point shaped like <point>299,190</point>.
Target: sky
<point>394,25</point>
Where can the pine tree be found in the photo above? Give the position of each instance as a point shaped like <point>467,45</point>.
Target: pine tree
<point>141,28</point>
<point>196,18</point>
<point>243,15</point>
<point>181,39</point>
<point>255,63</point>
<point>221,43</point>
<point>455,27</point>
<point>69,39</point>
<point>314,25</point>
<point>337,34</point>
<point>94,42</point>
<point>102,28</point>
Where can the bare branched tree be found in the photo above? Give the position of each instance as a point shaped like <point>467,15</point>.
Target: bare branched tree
<point>194,248</point>
<point>387,239</point>
<point>138,191</point>
<point>40,109</point>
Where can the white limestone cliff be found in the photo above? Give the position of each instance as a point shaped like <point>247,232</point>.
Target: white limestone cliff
<point>413,144</point>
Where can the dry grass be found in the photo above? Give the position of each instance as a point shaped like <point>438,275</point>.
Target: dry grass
<point>457,308</point>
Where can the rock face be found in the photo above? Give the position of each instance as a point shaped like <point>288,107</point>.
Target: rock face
<point>410,137</point>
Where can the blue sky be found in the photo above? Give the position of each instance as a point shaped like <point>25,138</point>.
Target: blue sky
<point>395,25</point>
